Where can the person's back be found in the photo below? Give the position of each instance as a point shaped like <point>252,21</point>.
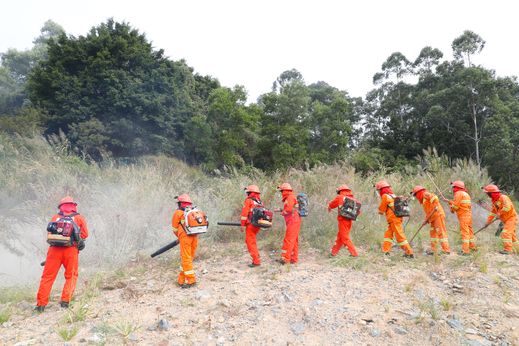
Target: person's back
<point>63,250</point>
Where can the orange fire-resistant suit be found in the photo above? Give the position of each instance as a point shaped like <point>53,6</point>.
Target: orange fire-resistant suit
<point>461,205</point>
<point>290,249</point>
<point>252,201</point>
<point>343,236</point>
<point>188,244</point>
<point>503,208</point>
<point>394,229</point>
<point>438,232</point>
<point>62,255</point>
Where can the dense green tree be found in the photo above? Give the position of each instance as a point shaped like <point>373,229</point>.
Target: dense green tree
<point>113,75</point>
<point>284,126</point>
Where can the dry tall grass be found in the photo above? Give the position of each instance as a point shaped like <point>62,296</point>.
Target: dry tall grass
<point>129,207</point>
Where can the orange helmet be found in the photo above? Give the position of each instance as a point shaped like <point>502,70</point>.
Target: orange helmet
<point>285,186</point>
<point>458,183</point>
<point>490,188</point>
<point>184,198</point>
<point>66,200</point>
<point>343,187</point>
<point>252,188</point>
<point>417,189</point>
<point>381,184</point>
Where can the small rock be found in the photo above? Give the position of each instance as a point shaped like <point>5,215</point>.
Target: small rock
<point>152,328</point>
<point>204,271</point>
<point>26,343</point>
<point>316,302</point>
<point>287,296</point>
<point>203,295</point>
<point>67,344</point>
<point>95,338</point>
<point>163,324</point>
<point>471,331</point>
<point>7,324</point>
<point>133,337</point>
<point>297,328</point>
<point>400,330</point>
<point>374,332</point>
<point>478,343</point>
<point>455,324</point>
<point>220,341</point>
<point>225,303</point>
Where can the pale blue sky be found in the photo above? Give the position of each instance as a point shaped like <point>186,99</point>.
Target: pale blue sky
<point>251,42</point>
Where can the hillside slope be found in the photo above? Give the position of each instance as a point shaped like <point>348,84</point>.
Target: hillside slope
<point>370,300</point>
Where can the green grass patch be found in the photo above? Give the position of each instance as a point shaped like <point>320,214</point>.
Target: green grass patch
<point>16,295</point>
<point>67,333</point>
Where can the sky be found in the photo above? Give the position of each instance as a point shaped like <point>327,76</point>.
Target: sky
<point>251,42</point>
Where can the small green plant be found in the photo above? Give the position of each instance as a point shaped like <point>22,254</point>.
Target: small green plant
<point>125,328</point>
<point>429,307</point>
<point>446,305</point>
<point>5,315</point>
<point>67,332</point>
<point>78,312</point>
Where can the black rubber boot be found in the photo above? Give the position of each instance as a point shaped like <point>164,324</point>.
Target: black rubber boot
<point>39,309</point>
<point>253,265</point>
<point>64,305</point>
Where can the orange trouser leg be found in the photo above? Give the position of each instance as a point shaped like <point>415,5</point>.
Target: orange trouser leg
<point>400,237</point>
<point>388,239</point>
<point>290,249</point>
<point>467,234</point>
<point>250,239</point>
<point>508,235</point>
<point>343,238</point>
<point>438,234</point>
<point>70,262</point>
<point>188,246</point>
<point>50,271</point>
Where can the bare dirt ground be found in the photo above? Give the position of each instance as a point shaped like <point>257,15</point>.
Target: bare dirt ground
<point>371,300</point>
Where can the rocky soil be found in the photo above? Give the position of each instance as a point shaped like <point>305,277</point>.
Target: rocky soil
<point>371,300</point>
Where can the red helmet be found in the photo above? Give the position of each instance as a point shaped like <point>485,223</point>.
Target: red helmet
<point>343,187</point>
<point>381,184</point>
<point>285,186</point>
<point>252,188</point>
<point>184,198</point>
<point>417,189</point>
<point>459,184</point>
<point>66,200</point>
<point>490,188</point>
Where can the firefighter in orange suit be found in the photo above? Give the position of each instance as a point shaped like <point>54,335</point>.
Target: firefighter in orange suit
<point>66,255</point>
<point>503,208</point>
<point>394,229</point>
<point>188,243</point>
<point>461,205</point>
<point>435,216</point>
<point>290,211</point>
<point>252,201</point>
<point>343,236</point>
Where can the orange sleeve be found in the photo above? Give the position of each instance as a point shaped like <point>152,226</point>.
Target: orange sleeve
<point>337,201</point>
<point>83,229</point>
<point>245,211</point>
<point>492,214</point>
<point>288,206</point>
<point>456,203</point>
<point>177,220</point>
<point>383,205</point>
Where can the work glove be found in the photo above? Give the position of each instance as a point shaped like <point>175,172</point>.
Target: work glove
<point>329,209</point>
<point>242,229</point>
<point>80,244</point>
